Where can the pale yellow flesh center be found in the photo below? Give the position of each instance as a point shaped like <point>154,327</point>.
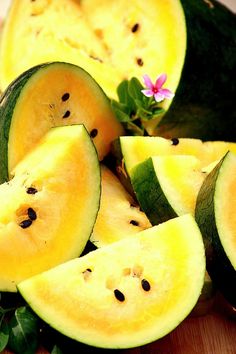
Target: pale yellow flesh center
<point>100,38</point>
<point>119,215</point>
<point>64,171</point>
<point>180,178</point>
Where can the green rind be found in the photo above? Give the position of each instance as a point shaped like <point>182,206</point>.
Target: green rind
<point>7,105</point>
<point>8,101</point>
<point>203,106</point>
<point>150,194</point>
<point>218,265</point>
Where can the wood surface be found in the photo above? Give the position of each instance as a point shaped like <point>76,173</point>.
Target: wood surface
<point>213,333</point>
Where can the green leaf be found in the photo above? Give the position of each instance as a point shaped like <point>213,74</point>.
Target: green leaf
<point>134,89</point>
<point>56,350</point>
<point>122,91</point>
<point>135,129</point>
<point>145,110</point>
<point>23,331</point>
<point>4,334</point>
<point>122,116</point>
<point>158,111</point>
<point>120,113</point>
<point>138,103</point>
<point>120,106</point>
<point>125,97</point>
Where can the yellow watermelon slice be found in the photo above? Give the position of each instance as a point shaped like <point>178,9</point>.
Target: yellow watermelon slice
<point>126,294</point>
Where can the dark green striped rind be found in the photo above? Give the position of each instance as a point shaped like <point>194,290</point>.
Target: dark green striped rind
<point>150,194</point>
<point>203,106</point>
<point>218,265</point>
<point>7,105</point>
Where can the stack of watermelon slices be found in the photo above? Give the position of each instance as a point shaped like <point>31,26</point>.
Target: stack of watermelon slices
<point>56,127</point>
<point>138,286</point>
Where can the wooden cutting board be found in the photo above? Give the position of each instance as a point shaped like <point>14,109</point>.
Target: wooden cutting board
<point>214,333</point>
<point>211,334</point>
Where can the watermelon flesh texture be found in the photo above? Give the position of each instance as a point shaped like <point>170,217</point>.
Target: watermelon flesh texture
<point>33,106</point>
<point>113,42</point>
<point>205,89</point>
<point>132,150</point>
<point>44,207</point>
<point>119,215</point>
<point>126,294</point>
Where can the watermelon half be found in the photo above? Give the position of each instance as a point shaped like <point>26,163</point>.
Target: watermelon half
<point>126,294</point>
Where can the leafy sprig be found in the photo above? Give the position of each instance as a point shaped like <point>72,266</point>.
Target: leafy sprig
<point>134,108</point>
<point>18,330</point>
<point>4,331</point>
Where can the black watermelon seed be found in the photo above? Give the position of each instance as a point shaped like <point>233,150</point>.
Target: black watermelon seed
<point>25,223</point>
<point>134,222</point>
<point>32,214</point>
<point>65,97</point>
<point>145,285</point>
<point>86,273</point>
<point>66,114</point>
<point>93,133</point>
<point>88,270</point>
<point>119,295</point>
<point>175,141</point>
<point>135,28</point>
<point>96,58</point>
<point>140,61</point>
<point>31,190</point>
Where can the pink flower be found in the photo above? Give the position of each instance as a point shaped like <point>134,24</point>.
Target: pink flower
<point>156,89</point>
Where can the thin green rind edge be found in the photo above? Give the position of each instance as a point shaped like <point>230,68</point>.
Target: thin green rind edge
<point>7,105</point>
<point>149,193</point>
<point>218,264</point>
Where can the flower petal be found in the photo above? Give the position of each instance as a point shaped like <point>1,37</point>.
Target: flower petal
<point>160,81</point>
<point>166,93</point>
<point>147,93</point>
<point>159,97</point>
<point>147,81</point>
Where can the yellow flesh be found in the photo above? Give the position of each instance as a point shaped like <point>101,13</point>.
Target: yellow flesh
<point>64,169</point>
<point>117,213</point>
<point>225,201</point>
<point>180,178</point>
<point>166,255</point>
<point>98,37</point>
<point>138,149</point>
<point>40,107</point>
